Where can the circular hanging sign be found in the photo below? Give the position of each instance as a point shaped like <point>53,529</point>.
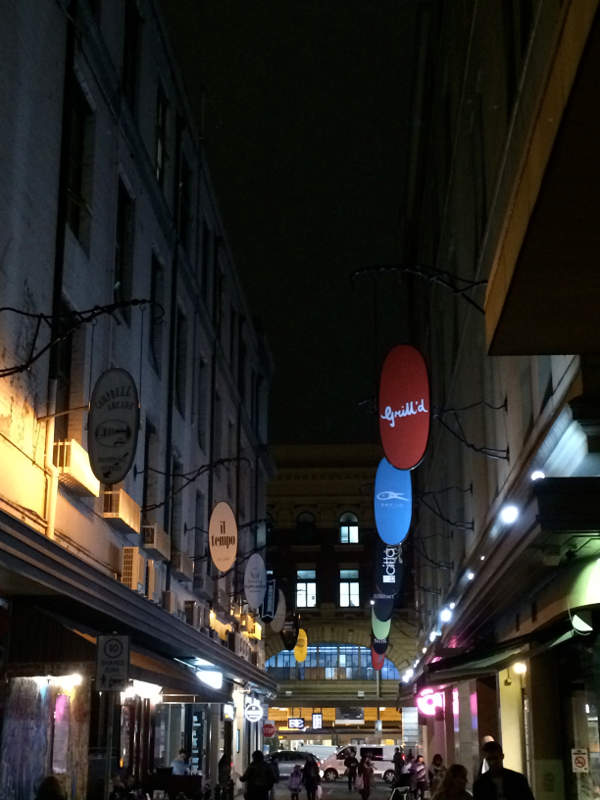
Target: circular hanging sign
<point>289,632</point>
<point>404,405</point>
<point>253,710</point>
<point>377,660</point>
<point>301,648</point>
<point>392,502</point>
<point>269,729</point>
<point>379,646</point>
<point>255,580</point>
<point>384,608</point>
<point>280,612</point>
<point>113,424</point>
<point>381,628</point>
<point>222,537</point>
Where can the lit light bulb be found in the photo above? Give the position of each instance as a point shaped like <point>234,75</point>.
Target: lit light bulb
<point>445,615</point>
<point>470,575</point>
<point>452,605</point>
<point>509,514</point>
<point>537,475</point>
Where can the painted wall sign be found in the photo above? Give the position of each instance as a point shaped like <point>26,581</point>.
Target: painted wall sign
<point>113,424</point>
<point>280,612</point>
<point>301,648</point>
<point>384,608</point>
<point>255,580</point>
<point>222,537</point>
<point>381,628</point>
<point>289,632</point>
<point>379,646</point>
<point>267,610</point>
<point>404,407</point>
<point>253,710</point>
<point>392,503</point>
<point>377,660</point>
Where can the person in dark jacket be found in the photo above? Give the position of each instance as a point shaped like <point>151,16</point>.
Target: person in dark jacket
<point>351,764</point>
<point>365,771</point>
<point>310,777</point>
<point>258,778</point>
<point>50,789</point>
<point>499,782</point>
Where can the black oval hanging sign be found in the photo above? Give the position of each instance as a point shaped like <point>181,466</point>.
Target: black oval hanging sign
<point>404,406</point>
<point>113,423</point>
<point>290,631</point>
<point>388,568</point>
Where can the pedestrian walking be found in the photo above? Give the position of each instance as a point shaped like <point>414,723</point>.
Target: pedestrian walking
<point>398,760</point>
<point>258,778</point>
<point>437,773</point>
<point>499,783</point>
<point>453,785</point>
<point>419,773</point>
<point>351,764</point>
<point>364,778</point>
<point>180,765</point>
<point>295,782</point>
<point>311,778</point>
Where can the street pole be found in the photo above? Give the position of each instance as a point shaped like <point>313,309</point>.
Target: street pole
<point>109,742</point>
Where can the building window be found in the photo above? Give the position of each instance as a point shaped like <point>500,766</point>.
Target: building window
<point>201,402</point>
<point>152,482</point>
<point>349,588</point>
<point>131,46</point>
<point>123,285</point>
<point>157,312</point>
<point>329,662</point>
<point>160,145</point>
<point>181,362</point>
<point>306,588</point>
<point>306,519</point>
<point>184,205</point>
<point>80,166</point>
<point>349,528</point>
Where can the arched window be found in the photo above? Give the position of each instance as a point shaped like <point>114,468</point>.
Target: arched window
<point>329,662</point>
<point>348,528</point>
<point>306,519</point>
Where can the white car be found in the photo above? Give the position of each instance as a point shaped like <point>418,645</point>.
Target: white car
<point>381,757</point>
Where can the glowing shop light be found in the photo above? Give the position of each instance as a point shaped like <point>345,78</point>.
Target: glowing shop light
<point>211,677</point>
<point>452,605</point>
<point>423,649</point>
<point>582,622</point>
<point>445,614</point>
<point>429,701</point>
<point>509,514</point>
<point>519,668</point>
<point>470,575</point>
<point>433,636</point>
<point>65,682</point>
<point>537,475</point>
<point>408,674</point>
<point>482,558</point>
<point>144,690</point>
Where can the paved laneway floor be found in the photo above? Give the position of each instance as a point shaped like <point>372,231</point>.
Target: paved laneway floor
<point>336,791</point>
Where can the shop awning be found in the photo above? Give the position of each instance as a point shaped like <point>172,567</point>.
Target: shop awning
<point>477,663</point>
<point>31,564</point>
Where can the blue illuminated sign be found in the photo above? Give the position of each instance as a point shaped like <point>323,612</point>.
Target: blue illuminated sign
<point>393,502</point>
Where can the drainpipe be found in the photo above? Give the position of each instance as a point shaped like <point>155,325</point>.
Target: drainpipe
<point>59,255</point>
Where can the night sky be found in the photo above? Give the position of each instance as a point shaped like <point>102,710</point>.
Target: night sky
<point>305,136</point>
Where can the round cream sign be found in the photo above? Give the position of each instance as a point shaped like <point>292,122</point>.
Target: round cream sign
<point>222,537</point>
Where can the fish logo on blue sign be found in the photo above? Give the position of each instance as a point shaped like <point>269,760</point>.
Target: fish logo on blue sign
<point>392,502</point>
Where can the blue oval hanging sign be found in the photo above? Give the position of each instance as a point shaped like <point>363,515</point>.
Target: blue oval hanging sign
<point>393,502</point>
<point>404,407</point>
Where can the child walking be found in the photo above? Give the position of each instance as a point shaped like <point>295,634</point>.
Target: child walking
<point>295,782</point>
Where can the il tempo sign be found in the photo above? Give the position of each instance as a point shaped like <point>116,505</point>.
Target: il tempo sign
<point>404,404</point>
<point>222,537</point>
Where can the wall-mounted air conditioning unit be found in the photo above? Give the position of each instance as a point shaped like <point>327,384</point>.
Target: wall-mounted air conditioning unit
<point>74,470</point>
<point>182,566</point>
<point>156,541</point>
<point>170,602</point>
<point>134,569</point>
<point>121,511</point>
<point>154,582</point>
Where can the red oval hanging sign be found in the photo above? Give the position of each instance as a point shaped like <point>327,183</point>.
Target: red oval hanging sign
<point>404,407</point>
<point>377,660</point>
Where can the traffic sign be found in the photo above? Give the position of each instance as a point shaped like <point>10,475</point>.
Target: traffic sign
<point>112,663</point>
<point>269,729</point>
